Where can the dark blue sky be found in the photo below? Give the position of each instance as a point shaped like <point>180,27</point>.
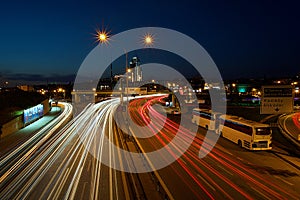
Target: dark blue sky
<point>245,38</point>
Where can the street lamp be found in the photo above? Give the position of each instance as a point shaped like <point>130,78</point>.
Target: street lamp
<point>148,39</point>
<point>102,36</point>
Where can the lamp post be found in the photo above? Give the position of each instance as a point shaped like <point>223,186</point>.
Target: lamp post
<point>127,70</point>
<point>102,36</point>
<point>127,99</point>
<point>127,103</point>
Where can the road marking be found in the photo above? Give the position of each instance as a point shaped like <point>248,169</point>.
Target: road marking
<point>285,127</point>
<point>284,180</point>
<point>123,176</point>
<point>225,150</point>
<point>260,193</point>
<point>89,165</point>
<point>162,183</point>
<point>226,170</point>
<point>207,183</point>
<point>228,152</point>
<point>60,184</point>
<point>239,158</point>
<point>183,161</point>
<point>286,160</point>
<point>84,185</point>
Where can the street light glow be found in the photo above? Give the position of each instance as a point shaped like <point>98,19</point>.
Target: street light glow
<point>148,39</point>
<point>102,36</point>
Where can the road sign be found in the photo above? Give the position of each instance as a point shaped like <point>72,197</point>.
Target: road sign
<point>277,99</point>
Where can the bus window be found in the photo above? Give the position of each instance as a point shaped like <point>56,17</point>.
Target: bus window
<point>239,127</point>
<point>263,131</point>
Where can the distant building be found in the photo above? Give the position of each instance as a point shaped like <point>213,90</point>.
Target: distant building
<point>27,88</point>
<point>135,72</point>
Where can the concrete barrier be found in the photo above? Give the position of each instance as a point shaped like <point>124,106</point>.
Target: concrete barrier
<point>46,105</point>
<point>12,126</point>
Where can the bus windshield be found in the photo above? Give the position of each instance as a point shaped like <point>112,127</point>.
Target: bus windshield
<point>263,131</point>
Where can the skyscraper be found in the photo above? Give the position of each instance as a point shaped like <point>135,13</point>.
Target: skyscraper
<point>135,70</point>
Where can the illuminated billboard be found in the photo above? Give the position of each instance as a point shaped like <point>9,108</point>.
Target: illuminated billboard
<point>33,113</point>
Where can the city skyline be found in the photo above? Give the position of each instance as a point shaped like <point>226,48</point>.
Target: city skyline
<point>48,42</point>
<point>149,100</point>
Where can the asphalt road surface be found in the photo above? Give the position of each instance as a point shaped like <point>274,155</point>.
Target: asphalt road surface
<point>84,160</point>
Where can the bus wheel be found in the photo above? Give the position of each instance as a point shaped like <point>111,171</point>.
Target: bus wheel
<point>240,143</point>
<point>221,134</point>
<point>206,127</point>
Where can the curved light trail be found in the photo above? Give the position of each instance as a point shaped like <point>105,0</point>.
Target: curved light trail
<point>296,120</point>
<point>13,160</point>
<point>69,165</point>
<point>257,185</point>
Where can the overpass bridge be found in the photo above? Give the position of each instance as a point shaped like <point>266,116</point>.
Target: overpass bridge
<point>89,94</point>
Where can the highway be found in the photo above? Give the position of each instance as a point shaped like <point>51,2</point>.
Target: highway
<point>69,165</point>
<point>79,161</point>
<point>13,161</point>
<point>227,171</point>
<point>291,123</point>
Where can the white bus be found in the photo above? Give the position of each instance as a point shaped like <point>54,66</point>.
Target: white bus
<point>248,134</point>
<point>206,119</point>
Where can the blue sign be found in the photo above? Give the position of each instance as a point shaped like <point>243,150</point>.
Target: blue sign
<point>33,113</point>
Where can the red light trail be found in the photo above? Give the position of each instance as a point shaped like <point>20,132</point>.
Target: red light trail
<point>193,165</point>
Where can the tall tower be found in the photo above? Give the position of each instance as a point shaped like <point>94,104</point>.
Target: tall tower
<point>136,71</point>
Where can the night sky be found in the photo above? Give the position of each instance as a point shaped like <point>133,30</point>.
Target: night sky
<point>49,39</point>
